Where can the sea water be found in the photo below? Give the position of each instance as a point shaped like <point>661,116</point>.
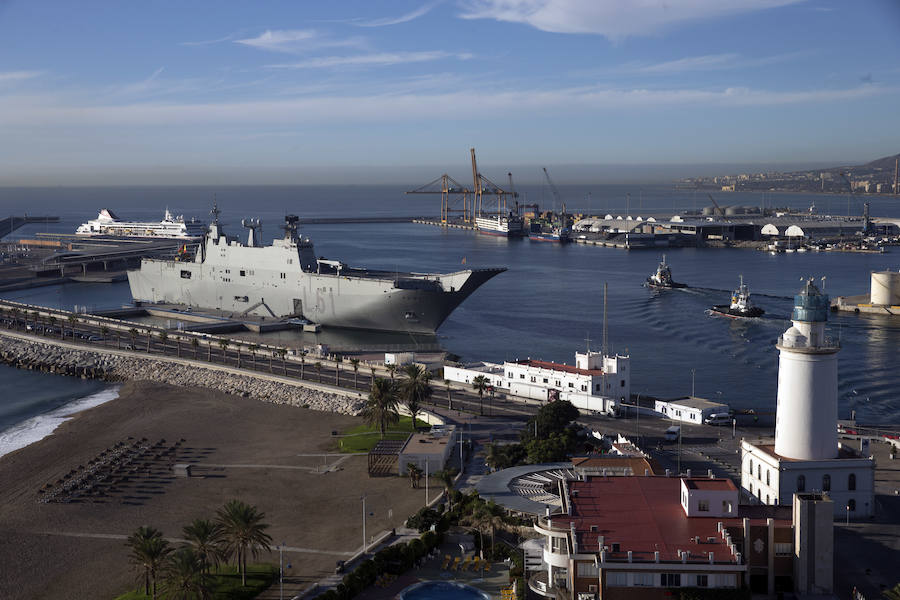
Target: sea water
<point>549,304</point>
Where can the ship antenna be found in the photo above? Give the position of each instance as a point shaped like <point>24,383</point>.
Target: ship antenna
<point>588,340</point>
<point>605,330</point>
<point>215,210</point>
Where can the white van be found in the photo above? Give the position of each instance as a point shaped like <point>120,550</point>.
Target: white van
<point>672,433</point>
<point>718,419</point>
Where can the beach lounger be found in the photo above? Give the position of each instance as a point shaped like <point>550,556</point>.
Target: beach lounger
<point>447,559</point>
<point>487,567</point>
<point>476,563</point>
<point>465,564</point>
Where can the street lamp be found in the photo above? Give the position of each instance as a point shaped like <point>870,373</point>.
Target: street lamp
<point>848,515</point>
<point>364,524</point>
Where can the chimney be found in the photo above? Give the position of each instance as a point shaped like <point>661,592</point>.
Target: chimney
<point>629,556</point>
<point>688,473</point>
<point>712,558</point>
<point>656,556</point>
<point>711,474</point>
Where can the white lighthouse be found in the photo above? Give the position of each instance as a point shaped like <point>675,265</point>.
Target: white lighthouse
<point>806,421</point>
<point>806,455</point>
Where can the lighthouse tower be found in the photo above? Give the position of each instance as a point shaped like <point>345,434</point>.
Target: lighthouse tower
<point>806,422</point>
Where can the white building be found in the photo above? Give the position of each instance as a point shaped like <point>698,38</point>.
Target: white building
<point>806,455</point>
<point>690,409</point>
<point>595,382</point>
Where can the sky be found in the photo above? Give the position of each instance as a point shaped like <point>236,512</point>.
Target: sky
<point>201,92</point>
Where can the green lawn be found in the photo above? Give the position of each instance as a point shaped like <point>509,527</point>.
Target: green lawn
<point>364,437</point>
<point>226,583</point>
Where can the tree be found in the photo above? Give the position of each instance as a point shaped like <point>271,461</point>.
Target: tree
<point>185,576</point>
<point>391,369</point>
<point>415,474</point>
<point>52,322</point>
<point>148,553</point>
<point>283,352</point>
<point>205,537</point>
<point>104,331</point>
<point>551,418</point>
<point>243,531</point>
<point>253,348</point>
<point>381,407</point>
<point>447,477</point>
<point>224,344</point>
<point>354,362</point>
<point>480,384</point>
<point>238,346</point>
<point>72,319</point>
<point>195,344</point>
<point>302,363</point>
<point>318,367</point>
<point>163,338</point>
<point>337,370</point>
<point>133,333</point>
<point>485,516</point>
<point>415,389</point>
<point>449,398</point>
<point>149,334</point>
<point>893,593</point>
<point>15,313</point>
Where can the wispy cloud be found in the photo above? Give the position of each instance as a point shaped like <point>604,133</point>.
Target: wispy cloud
<point>614,19</point>
<point>465,103</point>
<point>406,18</point>
<point>297,41</point>
<point>379,59</point>
<point>707,62</point>
<point>18,75</point>
<point>227,38</point>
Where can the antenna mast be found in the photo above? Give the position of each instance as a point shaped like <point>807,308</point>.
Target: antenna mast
<point>605,330</point>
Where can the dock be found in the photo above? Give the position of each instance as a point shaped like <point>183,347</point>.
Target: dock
<point>862,304</point>
<point>10,224</point>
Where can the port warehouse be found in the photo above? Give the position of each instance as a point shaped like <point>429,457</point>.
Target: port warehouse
<point>595,383</point>
<point>690,409</point>
<point>691,230</point>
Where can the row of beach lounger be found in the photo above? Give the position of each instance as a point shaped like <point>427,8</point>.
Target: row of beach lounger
<point>460,564</point>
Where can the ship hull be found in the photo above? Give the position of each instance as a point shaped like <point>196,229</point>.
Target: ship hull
<point>415,304</point>
<point>665,286</point>
<point>726,311</point>
<point>548,237</point>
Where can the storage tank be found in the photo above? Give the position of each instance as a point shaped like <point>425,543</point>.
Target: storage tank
<point>886,288</point>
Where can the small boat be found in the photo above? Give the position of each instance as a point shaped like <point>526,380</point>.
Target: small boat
<point>663,277</point>
<point>559,235</point>
<point>740,307</point>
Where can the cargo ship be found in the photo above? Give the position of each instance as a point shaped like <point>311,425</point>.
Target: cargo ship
<point>287,280</point>
<point>740,307</point>
<point>509,225</point>
<point>109,225</point>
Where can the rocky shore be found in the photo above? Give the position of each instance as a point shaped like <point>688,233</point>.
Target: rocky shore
<point>88,364</point>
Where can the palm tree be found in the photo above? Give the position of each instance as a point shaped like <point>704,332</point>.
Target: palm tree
<point>480,384</point>
<point>15,313</point>
<point>239,355</point>
<point>224,344</point>
<point>893,593</point>
<point>148,552</point>
<point>337,370</point>
<point>391,369</point>
<point>302,364</point>
<point>415,474</point>
<point>354,362</point>
<point>149,334</point>
<point>104,331</point>
<point>195,343</point>
<point>72,319</point>
<point>185,576</point>
<point>381,407</point>
<point>415,389</point>
<point>133,333</point>
<point>447,477</point>
<point>253,348</point>
<point>449,398</point>
<point>283,352</point>
<point>205,537</point>
<point>318,367</point>
<point>271,356</point>
<point>52,322</point>
<point>163,338</point>
<point>243,530</point>
<point>483,518</point>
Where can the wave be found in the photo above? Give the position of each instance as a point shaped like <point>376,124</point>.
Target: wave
<point>37,428</point>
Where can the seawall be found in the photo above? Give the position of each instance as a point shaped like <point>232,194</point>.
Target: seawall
<point>63,358</point>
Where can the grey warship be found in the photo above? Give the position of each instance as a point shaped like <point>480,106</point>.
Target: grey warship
<point>286,280</point>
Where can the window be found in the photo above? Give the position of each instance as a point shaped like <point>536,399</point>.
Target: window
<point>583,388</point>
<point>185,274</point>
<point>767,498</point>
<point>783,548</point>
<point>801,483</point>
<point>622,383</point>
<point>670,579</point>
<point>589,569</point>
<point>826,482</point>
<point>642,579</point>
<point>545,380</point>
<point>768,481</point>
<point>557,382</point>
<point>851,505</point>
<point>533,379</point>
<point>751,467</point>
<point>521,375</point>
<point>571,385</point>
<point>243,273</point>
<point>851,481</point>
<point>727,581</point>
<point>617,579</point>
<point>726,507</point>
<point>510,375</point>
<point>703,506</point>
<point>702,580</point>
<point>596,387</point>
<point>759,472</point>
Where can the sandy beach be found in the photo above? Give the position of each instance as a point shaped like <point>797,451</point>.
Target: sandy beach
<point>246,449</point>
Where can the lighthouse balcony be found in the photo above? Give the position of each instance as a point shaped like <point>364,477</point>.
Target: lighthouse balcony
<point>794,340</point>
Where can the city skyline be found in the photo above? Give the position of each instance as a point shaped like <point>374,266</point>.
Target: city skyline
<point>288,93</point>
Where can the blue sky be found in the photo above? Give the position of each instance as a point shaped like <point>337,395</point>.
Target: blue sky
<point>256,92</point>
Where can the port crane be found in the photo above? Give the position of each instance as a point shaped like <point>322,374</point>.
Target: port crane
<point>557,197</point>
<point>472,197</point>
<point>718,208</point>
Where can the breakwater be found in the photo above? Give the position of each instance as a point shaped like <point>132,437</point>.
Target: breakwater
<point>118,366</point>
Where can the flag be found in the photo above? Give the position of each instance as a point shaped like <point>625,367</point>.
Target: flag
<point>464,260</point>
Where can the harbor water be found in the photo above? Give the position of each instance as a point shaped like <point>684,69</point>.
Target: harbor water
<point>550,302</point>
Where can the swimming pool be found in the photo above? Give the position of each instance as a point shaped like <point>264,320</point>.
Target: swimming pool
<point>442,590</point>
